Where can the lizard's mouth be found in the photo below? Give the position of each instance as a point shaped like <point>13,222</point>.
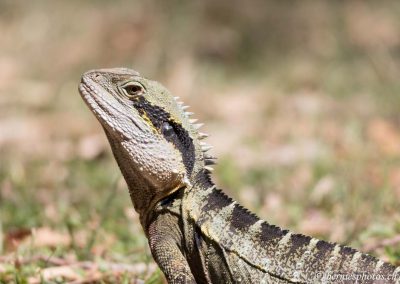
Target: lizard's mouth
<point>108,110</point>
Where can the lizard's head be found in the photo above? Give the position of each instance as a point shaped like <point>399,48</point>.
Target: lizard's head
<point>153,140</point>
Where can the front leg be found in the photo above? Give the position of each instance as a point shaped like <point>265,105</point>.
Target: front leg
<point>165,245</point>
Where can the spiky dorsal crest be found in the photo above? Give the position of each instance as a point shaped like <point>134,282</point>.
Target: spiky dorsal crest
<point>208,160</point>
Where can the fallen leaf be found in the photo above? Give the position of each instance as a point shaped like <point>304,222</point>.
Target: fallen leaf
<point>394,181</point>
<point>14,238</point>
<point>385,136</point>
<point>323,187</point>
<point>60,271</point>
<point>46,237</point>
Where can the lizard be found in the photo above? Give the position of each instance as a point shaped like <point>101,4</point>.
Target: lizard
<point>196,233</point>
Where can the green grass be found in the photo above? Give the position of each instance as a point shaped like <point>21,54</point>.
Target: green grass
<point>302,106</point>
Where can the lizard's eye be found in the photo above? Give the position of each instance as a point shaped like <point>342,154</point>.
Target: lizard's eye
<point>167,130</point>
<point>133,90</point>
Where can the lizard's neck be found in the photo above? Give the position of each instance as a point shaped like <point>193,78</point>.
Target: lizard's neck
<point>145,195</point>
<point>139,191</point>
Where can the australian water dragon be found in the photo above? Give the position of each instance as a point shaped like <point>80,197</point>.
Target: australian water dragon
<point>196,233</point>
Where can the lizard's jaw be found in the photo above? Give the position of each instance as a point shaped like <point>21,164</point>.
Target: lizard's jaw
<point>108,111</point>
<point>152,166</point>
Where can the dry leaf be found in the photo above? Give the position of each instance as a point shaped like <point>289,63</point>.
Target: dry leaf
<point>323,187</point>
<point>60,271</point>
<point>394,181</point>
<point>14,238</point>
<point>45,237</point>
<point>385,136</point>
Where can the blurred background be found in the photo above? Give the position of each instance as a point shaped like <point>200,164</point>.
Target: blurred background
<point>301,99</point>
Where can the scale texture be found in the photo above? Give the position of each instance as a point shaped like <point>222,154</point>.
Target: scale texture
<point>196,233</point>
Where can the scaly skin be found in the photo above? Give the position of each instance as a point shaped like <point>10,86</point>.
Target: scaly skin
<point>196,233</point>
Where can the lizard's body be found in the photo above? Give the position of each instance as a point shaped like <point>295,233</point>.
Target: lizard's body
<point>196,233</point>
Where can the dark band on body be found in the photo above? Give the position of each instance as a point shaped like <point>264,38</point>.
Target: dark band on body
<point>182,141</point>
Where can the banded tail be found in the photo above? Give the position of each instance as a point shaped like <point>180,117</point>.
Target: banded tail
<point>295,258</point>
